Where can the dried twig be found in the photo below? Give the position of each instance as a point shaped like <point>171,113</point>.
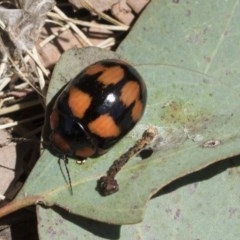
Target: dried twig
<point>81,36</point>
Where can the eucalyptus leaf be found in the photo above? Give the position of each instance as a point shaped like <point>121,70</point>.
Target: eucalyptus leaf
<point>188,53</point>
<point>193,207</point>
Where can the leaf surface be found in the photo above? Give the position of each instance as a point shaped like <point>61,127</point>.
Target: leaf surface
<point>188,54</point>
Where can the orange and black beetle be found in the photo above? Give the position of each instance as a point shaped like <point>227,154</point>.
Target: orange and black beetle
<point>96,109</point>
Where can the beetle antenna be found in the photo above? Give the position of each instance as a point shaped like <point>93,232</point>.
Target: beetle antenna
<point>65,160</point>
<point>68,175</point>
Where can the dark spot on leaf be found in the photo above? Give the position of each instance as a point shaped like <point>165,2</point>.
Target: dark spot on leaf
<point>146,153</point>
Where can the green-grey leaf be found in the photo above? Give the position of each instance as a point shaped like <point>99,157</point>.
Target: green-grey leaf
<point>188,54</point>
<point>197,210</point>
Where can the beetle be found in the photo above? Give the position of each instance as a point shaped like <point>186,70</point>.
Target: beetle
<point>96,109</point>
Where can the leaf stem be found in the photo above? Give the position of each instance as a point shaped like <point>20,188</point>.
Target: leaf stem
<point>19,204</point>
